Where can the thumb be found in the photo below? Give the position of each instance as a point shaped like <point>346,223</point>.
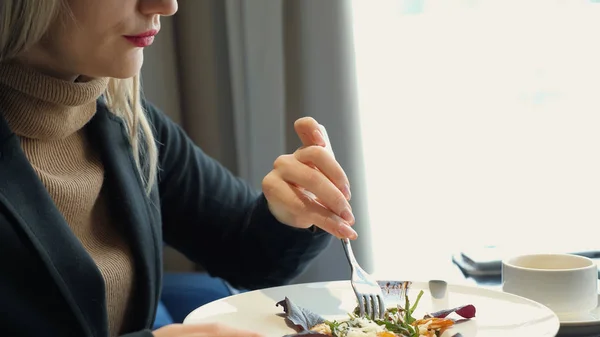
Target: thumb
<point>308,131</point>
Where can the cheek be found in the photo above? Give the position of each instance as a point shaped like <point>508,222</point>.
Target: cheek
<point>95,51</point>
<point>110,57</point>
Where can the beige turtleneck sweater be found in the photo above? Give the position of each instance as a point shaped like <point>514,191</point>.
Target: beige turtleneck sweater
<point>49,116</point>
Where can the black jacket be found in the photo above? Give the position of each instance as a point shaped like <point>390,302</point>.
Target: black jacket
<point>50,286</point>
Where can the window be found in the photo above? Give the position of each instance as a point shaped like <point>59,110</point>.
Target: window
<point>481,123</point>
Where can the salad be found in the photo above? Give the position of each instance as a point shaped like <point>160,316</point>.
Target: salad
<point>397,322</point>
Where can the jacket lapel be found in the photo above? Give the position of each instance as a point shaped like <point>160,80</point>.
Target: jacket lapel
<point>138,213</point>
<point>71,267</point>
<point>32,208</point>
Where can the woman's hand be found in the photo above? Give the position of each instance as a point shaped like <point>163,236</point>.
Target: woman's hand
<point>202,330</point>
<point>314,169</point>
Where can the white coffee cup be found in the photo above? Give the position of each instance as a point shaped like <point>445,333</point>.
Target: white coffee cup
<point>564,283</point>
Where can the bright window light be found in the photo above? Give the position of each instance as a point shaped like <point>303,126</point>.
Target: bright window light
<point>481,124</point>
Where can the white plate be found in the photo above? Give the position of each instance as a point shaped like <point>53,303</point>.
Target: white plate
<point>498,314</point>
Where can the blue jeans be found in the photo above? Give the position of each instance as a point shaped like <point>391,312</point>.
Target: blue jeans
<point>184,292</point>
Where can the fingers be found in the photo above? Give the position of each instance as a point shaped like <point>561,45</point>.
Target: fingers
<point>299,174</point>
<point>319,157</point>
<point>329,222</point>
<point>315,170</point>
<point>220,330</point>
<point>313,141</point>
<point>303,210</point>
<point>308,131</point>
<point>202,330</point>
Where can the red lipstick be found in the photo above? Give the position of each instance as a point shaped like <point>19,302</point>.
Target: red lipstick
<point>142,40</point>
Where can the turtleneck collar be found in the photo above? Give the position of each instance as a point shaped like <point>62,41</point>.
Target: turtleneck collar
<point>42,107</point>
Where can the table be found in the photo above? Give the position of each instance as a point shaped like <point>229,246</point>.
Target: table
<point>431,269</point>
<point>448,271</point>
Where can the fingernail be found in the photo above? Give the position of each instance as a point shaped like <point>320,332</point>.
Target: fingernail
<point>346,191</point>
<point>318,138</point>
<point>347,232</point>
<point>347,215</point>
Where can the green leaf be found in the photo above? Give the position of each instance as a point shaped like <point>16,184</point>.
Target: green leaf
<point>397,328</point>
<point>333,325</point>
<point>407,314</point>
<point>416,302</point>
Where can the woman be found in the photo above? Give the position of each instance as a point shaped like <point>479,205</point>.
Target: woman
<point>93,180</point>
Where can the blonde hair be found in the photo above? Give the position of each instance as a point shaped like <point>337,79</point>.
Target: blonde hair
<point>24,22</point>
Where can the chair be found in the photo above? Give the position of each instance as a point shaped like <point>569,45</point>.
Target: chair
<point>184,292</point>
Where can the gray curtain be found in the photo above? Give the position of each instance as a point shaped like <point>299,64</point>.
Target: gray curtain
<point>236,74</point>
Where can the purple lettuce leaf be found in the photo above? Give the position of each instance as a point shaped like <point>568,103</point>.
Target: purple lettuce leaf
<point>303,319</point>
<point>308,333</point>
<point>465,311</point>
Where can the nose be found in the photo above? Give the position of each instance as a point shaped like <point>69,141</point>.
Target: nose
<point>158,7</point>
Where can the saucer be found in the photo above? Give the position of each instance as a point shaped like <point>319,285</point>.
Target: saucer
<point>580,324</point>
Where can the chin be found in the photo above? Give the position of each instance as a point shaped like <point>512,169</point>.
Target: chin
<point>126,71</point>
<point>129,66</point>
<point>124,74</point>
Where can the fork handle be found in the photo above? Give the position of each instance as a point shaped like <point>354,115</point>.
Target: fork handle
<point>345,242</point>
<point>349,252</point>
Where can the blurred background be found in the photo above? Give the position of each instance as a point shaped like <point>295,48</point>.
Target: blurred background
<point>460,123</point>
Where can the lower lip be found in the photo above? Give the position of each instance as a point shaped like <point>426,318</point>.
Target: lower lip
<point>140,41</point>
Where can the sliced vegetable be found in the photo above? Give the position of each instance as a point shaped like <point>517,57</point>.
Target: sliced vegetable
<point>466,311</point>
<point>306,333</point>
<point>302,318</point>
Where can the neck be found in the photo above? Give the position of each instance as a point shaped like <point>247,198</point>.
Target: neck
<point>36,61</point>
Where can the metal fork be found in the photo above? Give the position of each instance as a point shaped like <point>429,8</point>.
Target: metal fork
<point>367,290</point>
